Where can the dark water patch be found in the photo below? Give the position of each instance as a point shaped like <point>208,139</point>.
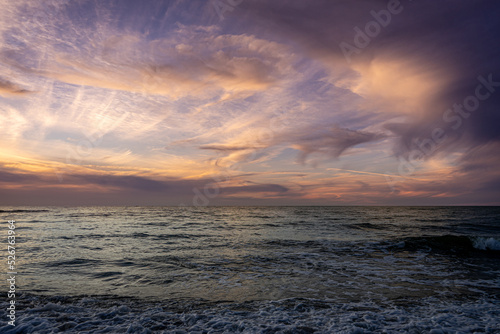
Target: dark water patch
<point>23,228</point>
<point>453,245</point>
<point>476,228</point>
<point>271,225</point>
<point>436,220</point>
<point>301,222</point>
<point>260,216</point>
<point>365,226</point>
<point>139,235</point>
<point>22,211</point>
<point>179,236</point>
<point>96,236</point>
<point>281,243</point>
<point>162,224</point>
<point>252,259</point>
<point>167,259</point>
<point>180,216</point>
<point>35,249</point>
<point>90,214</point>
<point>107,274</point>
<point>124,263</point>
<point>194,224</point>
<point>432,228</point>
<point>91,248</point>
<point>79,262</point>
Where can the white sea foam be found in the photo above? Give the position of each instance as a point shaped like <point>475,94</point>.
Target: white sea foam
<point>484,243</point>
<point>285,316</point>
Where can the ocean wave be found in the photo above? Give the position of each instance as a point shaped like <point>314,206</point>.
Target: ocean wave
<point>456,244</point>
<point>485,243</point>
<point>295,315</point>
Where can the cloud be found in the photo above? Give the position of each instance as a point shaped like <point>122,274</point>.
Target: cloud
<point>20,178</point>
<point>417,67</point>
<point>257,188</point>
<point>114,84</point>
<point>330,141</point>
<point>173,189</point>
<point>482,159</point>
<point>8,88</point>
<point>225,148</point>
<point>191,61</point>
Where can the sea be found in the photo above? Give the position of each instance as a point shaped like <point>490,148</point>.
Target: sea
<point>253,270</point>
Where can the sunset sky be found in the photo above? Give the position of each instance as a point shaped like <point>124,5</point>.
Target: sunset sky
<point>249,102</point>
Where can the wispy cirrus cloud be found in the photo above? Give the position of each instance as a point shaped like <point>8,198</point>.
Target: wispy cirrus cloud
<point>193,62</point>
<point>146,98</point>
<point>8,88</point>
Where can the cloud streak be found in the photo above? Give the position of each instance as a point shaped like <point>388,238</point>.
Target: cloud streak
<point>8,88</point>
<point>162,98</point>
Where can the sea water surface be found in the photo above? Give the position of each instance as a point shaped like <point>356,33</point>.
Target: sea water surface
<point>254,269</point>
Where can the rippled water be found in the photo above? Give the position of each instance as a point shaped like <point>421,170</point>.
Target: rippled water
<point>257,269</point>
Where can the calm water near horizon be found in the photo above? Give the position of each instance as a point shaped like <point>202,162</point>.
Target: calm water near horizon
<point>255,269</point>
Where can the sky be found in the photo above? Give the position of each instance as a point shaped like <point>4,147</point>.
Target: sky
<point>249,102</point>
